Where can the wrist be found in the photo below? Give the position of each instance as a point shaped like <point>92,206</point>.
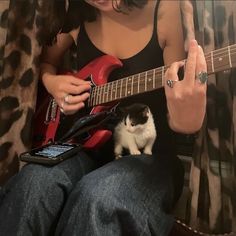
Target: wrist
<point>46,80</point>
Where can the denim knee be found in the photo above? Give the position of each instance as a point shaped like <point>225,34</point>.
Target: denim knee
<point>38,179</point>
<point>117,199</point>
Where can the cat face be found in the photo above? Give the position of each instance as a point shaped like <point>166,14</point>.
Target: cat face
<point>132,126</point>
<point>136,117</point>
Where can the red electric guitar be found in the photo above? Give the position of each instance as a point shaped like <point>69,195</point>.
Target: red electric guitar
<point>48,118</point>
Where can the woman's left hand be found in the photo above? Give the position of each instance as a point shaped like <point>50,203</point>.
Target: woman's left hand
<point>186,99</point>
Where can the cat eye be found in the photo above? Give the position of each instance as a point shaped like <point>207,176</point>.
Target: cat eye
<point>132,124</point>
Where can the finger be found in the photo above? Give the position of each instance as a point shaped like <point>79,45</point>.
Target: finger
<point>171,75</point>
<point>70,99</point>
<point>71,109</point>
<point>190,69</point>
<point>76,81</point>
<point>201,65</point>
<point>76,90</point>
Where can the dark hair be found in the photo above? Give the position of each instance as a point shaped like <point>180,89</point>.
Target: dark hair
<point>78,11</point>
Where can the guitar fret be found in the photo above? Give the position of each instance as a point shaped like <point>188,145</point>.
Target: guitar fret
<point>132,85</point>
<point>103,93</point>
<point>126,88</point>
<point>145,79</point>
<point>230,62</point>
<point>121,82</point>
<point>143,82</point>
<point>97,95</point>
<point>111,91</point>
<point>116,89</point>
<point>149,80</point>
<point>129,85</point>
<point>108,92</point>
<point>153,78</point>
<point>162,75</point>
<point>138,81</point>
<point>212,62</point>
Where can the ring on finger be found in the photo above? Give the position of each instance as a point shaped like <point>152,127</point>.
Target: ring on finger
<point>61,110</point>
<point>66,98</point>
<point>171,83</point>
<point>202,77</point>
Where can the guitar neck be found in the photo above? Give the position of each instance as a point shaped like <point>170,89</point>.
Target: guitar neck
<point>218,60</point>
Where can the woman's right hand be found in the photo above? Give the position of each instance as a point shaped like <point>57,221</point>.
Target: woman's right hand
<point>69,92</point>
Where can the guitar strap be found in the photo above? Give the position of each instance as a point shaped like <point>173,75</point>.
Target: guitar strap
<point>85,124</point>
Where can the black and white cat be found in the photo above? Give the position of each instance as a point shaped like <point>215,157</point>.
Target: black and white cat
<point>136,131</point>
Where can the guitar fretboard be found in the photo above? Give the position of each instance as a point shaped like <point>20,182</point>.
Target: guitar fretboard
<point>218,60</point>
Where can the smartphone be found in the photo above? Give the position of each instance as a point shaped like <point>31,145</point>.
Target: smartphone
<point>51,154</point>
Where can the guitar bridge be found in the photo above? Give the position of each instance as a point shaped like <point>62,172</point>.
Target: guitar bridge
<point>51,111</point>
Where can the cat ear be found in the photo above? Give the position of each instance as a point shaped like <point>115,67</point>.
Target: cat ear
<point>146,111</point>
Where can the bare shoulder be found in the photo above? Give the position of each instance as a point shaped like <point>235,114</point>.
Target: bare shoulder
<point>170,32</point>
<point>168,15</point>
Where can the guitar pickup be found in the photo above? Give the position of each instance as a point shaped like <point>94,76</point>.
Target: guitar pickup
<point>51,111</point>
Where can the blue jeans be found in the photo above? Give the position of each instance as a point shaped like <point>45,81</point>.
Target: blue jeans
<point>131,196</point>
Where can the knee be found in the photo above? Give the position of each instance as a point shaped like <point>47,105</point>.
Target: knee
<point>99,190</point>
<point>39,179</point>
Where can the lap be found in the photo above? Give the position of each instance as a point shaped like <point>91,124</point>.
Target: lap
<point>140,190</point>
<point>147,176</point>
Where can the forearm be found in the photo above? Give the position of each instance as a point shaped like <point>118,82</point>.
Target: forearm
<point>47,70</point>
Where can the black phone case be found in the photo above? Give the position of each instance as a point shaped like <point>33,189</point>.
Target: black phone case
<point>28,157</point>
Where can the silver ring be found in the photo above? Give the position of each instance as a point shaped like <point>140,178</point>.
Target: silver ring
<point>62,104</point>
<point>66,98</point>
<point>202,77</point>
<point>61,110</point>
<point>170,83</point>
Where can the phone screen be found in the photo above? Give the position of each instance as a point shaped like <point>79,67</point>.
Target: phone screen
<point>52,151</point>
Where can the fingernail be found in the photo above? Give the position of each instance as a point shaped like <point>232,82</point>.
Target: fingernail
<point>193,43</point>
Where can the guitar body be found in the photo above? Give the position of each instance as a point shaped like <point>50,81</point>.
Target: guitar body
<point>47,118</point>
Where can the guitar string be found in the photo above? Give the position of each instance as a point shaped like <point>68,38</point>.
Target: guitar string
<point>217,54</point>
<point>140,83</point>
<point>156,71</point>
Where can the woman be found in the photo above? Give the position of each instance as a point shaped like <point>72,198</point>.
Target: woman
<point>134,195</point>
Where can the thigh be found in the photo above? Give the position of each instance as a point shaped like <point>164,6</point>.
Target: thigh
<point>149,178</point>
<point>133,194</point>
<point>71,170</point>
<point>31,202</point>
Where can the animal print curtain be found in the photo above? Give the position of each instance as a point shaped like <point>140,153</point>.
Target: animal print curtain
<point>208,202</point>
<point>19,60</point>
<point>210,191</point>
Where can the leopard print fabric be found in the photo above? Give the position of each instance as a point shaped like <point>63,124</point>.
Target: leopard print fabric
<point>20,50</point>
<point>210,202</point>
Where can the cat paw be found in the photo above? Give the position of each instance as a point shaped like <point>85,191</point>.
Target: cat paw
<point>118,157</point>
<point>135,152</point>
<point>148,152</point>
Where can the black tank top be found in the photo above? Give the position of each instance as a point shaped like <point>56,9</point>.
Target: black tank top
<point>150,57</point>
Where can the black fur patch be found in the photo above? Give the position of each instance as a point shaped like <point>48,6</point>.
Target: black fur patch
<point>137,113</point>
